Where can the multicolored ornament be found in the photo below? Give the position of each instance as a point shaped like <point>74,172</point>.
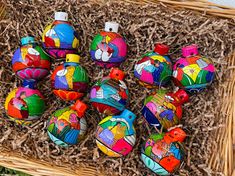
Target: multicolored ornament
<point>70,80</point>
<point>108,49</point>
<point>67,126</point>
<point>163,153</point>
<point>25,104</point>
<point>155,67</point>
<point>30,61</point>
<point>115,135</point>
<point>193,72</point>
<point>110,95</point>
<point>60,38</point>
<point>163,108</point>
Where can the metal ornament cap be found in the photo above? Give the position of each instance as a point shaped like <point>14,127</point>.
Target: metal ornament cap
<point>80,107</point>
<point>74,58</point>
<point>191,50</point>
<point>175,135</point>
<point>116,74</point>
<point>161,49</point>
<point>111,27</point>
<point>27,40</point>
<point>61,16</point>
<point>182,96</point>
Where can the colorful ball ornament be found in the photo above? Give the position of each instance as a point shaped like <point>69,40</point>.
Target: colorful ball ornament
<point>70,80</point>
<point>25,104</point>
<point>108,48</point>
<point>154,68</point>
<point>164,109</point>
<point>110,95</point>
<point>163,153</point>
<point>30,61</point>
<point>67,126</point>
<point>60,38</point>
<point>115,135</point>
<point>193,72</point>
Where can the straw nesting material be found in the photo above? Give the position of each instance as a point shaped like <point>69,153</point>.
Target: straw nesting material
<point>142,26</point>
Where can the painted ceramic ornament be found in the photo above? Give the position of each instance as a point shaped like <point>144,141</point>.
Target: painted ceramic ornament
<point>108,48</point>
<point>163,108</point>
<point>110,95</point>
<point>25,104</point>
<point>193,72</point>
<point>60,38</point>
<point>163,153</point>
<point>154,68</point>
<point>70,80</point>
<point>67,126</point>
<point>30,61</point>
<point>115,135</point>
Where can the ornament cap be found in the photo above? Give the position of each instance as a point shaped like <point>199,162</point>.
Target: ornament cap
<point>61,16</point>
<point>182,96</point>
<point>72,58</point>
<point>29,83</point>
<point>161,49</point>
<point>117,74</point>
<point>190,50</point>
<point>128,115</point>
<point>80,107</point>
<point>27,40</point>
<point>111,26</point>
<point>175,135</point>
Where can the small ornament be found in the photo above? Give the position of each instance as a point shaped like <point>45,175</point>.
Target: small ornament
<point>110,95</point>
<point>115,135</point>
<point>60,38</point>
<point>70,80</point>
<point>164,109</point>
<point>30,61</point>
<point>108,49</point>
<point>155,67</point>
<point>163,153</point>
<point>67,126</point>
<point>25,104</point>
<point>193,72</point>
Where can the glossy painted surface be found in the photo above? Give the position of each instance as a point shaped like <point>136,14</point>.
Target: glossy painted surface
<point>115,135</point>
<point>163,153</point>
<point>163,108</point>
<point>108,49</point>
<point>193,72</point>
<point>59,39</point>
<point>153,69</point>
<point>31,62</point>
<point>66,126</point>
<point>24,105</point>
<point>109,96</point>
<point>70,81</point>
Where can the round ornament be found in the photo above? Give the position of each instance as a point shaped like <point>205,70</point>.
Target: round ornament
<point>163,153</point>
<point>25,104</point>
<point>110,95</point>
<point>30,61</point>
<point>60,38</point>
<point>70,80</point>
<point>163,108</point>
<point>67,126</point>
<point>193,72</point>
<point>154,68</point>
<point>115,135</point>
<point>108,48</point>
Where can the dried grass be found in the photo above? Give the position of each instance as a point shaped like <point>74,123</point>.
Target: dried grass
<point>142,26</point>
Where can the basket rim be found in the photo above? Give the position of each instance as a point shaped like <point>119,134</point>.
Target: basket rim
<point>13,159</point>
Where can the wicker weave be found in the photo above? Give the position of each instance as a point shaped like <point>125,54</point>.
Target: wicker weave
<point>225,136</point>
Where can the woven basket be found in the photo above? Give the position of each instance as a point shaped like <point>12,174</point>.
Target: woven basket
<point>225,136</point>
